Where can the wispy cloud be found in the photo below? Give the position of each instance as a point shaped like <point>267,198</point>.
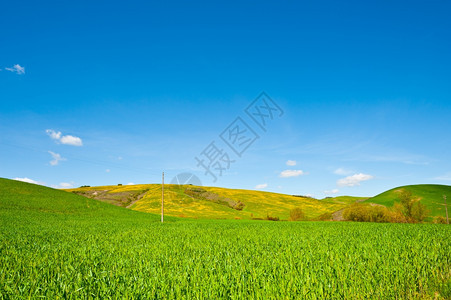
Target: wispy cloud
<point>444,177</point>
<point>291,163</point>
<point>19,70</point>
<point>64,139</point>
<point>291,173</point>
<point>26,179</point>
<point>354,180</point>
<point>56,158</point>
<point>64,185</point>
<point>407,158</point>
<point>334,191</point>
<point>261,186</point>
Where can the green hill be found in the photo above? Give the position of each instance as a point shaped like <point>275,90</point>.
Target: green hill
<point>31,200</point>
<point>431,195</point>
<point>344,199</point>
<point>212,202</point>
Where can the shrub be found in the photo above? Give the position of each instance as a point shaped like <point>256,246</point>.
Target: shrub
<point>239,206</point>
<point>356,212</point>
<point>397,215</point>
<point>440,220</point>
<point>325,217</point>
<point>296,214</point>
<point>419,212</point>
<point>270,218</point>
<point>404,212</point>
<point>365,213</point>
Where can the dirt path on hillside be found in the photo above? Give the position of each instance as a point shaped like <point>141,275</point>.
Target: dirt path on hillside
<point>338,215</point>
<point>137,199</point>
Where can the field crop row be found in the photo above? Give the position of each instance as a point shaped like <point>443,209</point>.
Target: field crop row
<point>130,257</point>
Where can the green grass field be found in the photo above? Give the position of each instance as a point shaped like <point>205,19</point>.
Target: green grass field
<point>56,244</point>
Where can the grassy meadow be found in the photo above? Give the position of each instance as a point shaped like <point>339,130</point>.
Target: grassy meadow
<point>56,244</point>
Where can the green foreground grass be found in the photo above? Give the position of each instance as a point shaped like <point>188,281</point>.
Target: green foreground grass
<point>59,245</point>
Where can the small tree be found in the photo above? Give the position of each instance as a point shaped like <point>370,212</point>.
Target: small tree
<point>413,210</point>
<point>419,212</point>
<point>407,202</point>
<point>296,214</point>
<point>397,214</point>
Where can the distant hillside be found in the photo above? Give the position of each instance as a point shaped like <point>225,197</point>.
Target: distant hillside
<point>212,202</point>
<point>344,199</point>
<point>431,195</point>
<point>193,201</point>
<point>21,198</point>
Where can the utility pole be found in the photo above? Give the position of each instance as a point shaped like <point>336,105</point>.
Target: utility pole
<point>446,209</point>
<point>162,199</point>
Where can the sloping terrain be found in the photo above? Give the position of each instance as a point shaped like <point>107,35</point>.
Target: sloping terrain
<point>212,202</point>
<point>31,200</point>
<point>431,195</point>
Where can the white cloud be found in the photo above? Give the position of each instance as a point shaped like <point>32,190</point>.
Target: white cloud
<point>66,185</point>
<point>130,183</point>
<point>334,191</point>
<point>341,171</point>
<point>291,163</point>
<point>261,186</point>
<point>71,140</point>
<point>53,134</point>
<point>26,179</point>
<point>64,139</point>
<point>16,69</point>
<point>291,173</point>
<point>56,158</point>
<point>354,179</point>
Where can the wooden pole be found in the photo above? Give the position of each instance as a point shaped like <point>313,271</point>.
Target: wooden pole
<point>162,199</point>
<point>446,209</point>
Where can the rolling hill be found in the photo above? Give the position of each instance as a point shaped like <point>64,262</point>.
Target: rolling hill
<point>192,202</point>
<point>31,200</point>
<point>431,195</point>
<point>212,202</point>
<point>221,203</point>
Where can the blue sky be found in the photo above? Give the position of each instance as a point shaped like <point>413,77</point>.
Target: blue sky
<point>109,92</point>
